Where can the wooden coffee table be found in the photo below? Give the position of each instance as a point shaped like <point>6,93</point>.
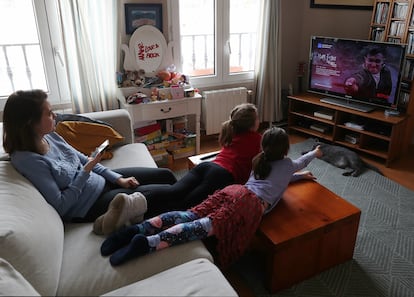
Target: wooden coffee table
<point>310,230</point>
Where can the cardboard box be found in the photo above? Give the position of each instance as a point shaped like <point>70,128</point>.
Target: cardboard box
<point>160,157</point>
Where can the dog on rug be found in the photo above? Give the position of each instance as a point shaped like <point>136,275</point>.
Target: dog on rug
<point>343,158</point>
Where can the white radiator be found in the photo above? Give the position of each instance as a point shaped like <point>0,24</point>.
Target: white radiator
<point>217,105</point>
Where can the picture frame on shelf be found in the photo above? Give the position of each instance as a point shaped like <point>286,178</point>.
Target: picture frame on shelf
<point>343,4</point>
<point>139,14</point>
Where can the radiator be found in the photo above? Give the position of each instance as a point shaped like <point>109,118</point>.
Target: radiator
<point>217,105</point>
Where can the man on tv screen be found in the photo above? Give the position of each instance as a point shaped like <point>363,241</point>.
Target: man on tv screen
<point>373,80</point>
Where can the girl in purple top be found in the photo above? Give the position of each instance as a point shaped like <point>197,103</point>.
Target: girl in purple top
<point>232,214</point>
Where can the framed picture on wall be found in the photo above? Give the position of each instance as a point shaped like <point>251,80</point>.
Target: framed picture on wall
<point>344,4</point>
<point>137,15</point>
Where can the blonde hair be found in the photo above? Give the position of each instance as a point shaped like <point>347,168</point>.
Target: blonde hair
<point>242,119</point>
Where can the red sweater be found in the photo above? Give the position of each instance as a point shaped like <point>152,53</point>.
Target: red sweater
<point>237,157</point>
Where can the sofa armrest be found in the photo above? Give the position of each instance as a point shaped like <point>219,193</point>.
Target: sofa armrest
<point>119,119</point>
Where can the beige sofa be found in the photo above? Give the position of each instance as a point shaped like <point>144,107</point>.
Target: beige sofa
<point>40,255</point>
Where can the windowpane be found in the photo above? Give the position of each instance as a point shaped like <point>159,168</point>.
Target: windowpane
<point>21,63</point>
<point>197,37</point>
<point>244,17</point>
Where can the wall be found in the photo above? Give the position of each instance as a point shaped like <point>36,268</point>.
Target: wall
<point>300,22</point>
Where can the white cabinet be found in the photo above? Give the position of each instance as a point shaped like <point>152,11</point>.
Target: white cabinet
<point>165,109</point>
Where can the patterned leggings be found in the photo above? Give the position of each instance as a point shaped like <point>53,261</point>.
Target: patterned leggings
<point>173,228</point>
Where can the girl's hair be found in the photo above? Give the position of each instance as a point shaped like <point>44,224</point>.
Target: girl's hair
<point>23,110</point>
<point>242,118</point>
<point>275,146</point>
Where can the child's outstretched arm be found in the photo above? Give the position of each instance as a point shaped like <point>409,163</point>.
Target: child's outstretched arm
<point>303,161</point>
<point>304,175</point>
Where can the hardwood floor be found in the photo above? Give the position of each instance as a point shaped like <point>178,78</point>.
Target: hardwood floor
<point>400,171</point>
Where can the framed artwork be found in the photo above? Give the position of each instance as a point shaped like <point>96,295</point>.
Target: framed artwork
<point>137,15</point>
<point>342,4</point>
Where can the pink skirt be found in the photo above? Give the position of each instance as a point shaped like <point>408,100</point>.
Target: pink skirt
<point>236,213</point>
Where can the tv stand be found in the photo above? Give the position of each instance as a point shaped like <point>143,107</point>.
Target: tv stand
<point>348,104</point>
<point>372,133</point>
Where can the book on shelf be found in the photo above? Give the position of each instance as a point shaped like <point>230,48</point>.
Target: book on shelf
<point>377,34</point>
<point>324,114</point>
<point>183,152</point>
<point>381,13</point>
<point>141,131</point>
<point>400,10</point>
<point>151,138</point>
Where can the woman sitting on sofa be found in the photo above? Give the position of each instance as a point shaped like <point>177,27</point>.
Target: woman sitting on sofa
<point>77,186</point>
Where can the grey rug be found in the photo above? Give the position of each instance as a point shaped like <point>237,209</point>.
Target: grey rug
<point>383,262</point>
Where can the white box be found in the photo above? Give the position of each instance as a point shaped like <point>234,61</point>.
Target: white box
<point>324,114</point>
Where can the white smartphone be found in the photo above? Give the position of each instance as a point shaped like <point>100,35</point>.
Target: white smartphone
<point>100,148</point>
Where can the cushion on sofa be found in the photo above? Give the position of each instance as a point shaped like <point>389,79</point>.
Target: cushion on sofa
<point>85,137</point>
<point>119,119</point>
<point>195,278</point>
<point>130,155</point>
<point>31,231</point>
<point>69,117</point>
<point>12,283</point>
<point>84,266</point>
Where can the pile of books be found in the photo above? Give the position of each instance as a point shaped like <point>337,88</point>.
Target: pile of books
<point>169,138</point>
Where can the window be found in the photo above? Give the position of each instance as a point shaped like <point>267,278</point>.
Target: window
<point>217,39</point>
<point>30,50</point>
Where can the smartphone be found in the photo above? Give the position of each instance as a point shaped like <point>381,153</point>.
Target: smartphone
<point>100,148</point>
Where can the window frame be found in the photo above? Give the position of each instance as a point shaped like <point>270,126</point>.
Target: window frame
<point>222,52</point>
<point>46,14</point>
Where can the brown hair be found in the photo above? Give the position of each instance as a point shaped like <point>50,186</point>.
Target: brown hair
<point>275,146</point>
<point>23,110</point>
<point>242,119</point>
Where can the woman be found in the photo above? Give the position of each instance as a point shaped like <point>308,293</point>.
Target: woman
<point>77,186</point>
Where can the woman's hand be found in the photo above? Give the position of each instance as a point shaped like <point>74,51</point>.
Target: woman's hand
<point>127,182</point>
<point>92,162</point>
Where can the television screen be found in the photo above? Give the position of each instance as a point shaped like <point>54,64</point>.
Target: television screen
<point>358,70</point>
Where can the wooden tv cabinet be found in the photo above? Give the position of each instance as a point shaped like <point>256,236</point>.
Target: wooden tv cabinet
<point>375,133</point>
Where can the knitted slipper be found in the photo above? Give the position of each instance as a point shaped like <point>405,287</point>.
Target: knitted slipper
<point>123,210</point>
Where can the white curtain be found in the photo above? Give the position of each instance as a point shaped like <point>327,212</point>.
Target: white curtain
<point>89,33</point>
<point>268,68</point>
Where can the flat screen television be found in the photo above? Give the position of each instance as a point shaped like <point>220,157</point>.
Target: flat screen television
<point>364,72</point>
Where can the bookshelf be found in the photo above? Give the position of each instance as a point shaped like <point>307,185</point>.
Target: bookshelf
<point>393,21</point>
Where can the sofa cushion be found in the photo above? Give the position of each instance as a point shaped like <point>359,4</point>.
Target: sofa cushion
<point>12,283</point>
<point>31,231</point>
<point>195,278</point>
<point>85,137</point>
<point>85,272</point>
<point>70,117</point>
<point>130,155</point>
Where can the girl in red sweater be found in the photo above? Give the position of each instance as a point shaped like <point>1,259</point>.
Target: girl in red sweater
<point>239,141</point>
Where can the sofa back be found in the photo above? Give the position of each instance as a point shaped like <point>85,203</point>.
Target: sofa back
<point>31,232</point>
